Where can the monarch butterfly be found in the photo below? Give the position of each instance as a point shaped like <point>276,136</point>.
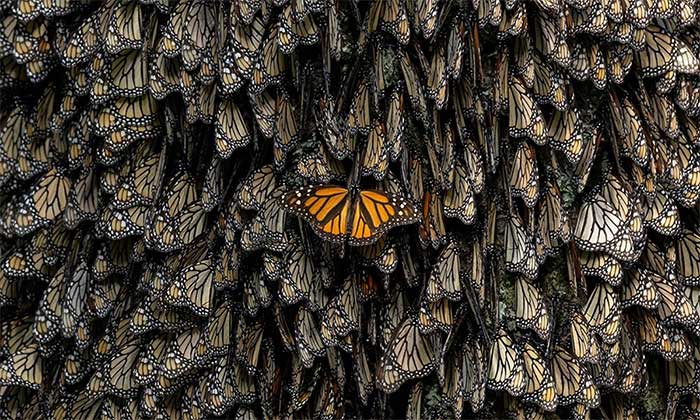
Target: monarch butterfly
<point>540,384</point>
<point>436,315</point>
<point>361,107</point>
<point>602,265</point>
<point>602,312</point>
<point>530,308</point>
<point>414,88</point>
<point>551,39</point>
<point>151,315</point>
<point>436,85</point>
<point>227,268</point>
<point>659,52</point>
<point>79,148</point>
<point>198,30</point>
<point>392,18</point>
<point>513,23</point>
<point>656,113</point>
<point>219,327</point>
<point>179,203</point>
<point>103,298</point>
<point>432,229</point>
<point>572,381</point>
<point>119,224</point>
<point>601,219</point>
<point>619,61</point>
<point>426,15</point>
<point>81,43</point>
<point>231,130</point>
<point>524,65</point>
<point>444,280</point>
<point>124,27</point>
<point>474,375</point>
<point>257,188</point>
<point>640,288</point>
<point>343,311</point>
<point>193,288</point>
<point>488,11</point>
<point>320,167</point>
<point>441,157</point>
<point>217,388</point>
<point>23,368</point>
<point>73,302</point>
<point>9,290</point>
<point>249,339</point>
<point>629,126</point>
<point>128,75</point>
<point>459,200</point>
<point>553,228</point>
<point>123,113</point>
<point>229,75</point>
<point>270,387</point>
<point>524,176</point>
<point>662,215</point>
<point>655,336</point>
<point>200,103</point>
<point>505,365</point>
<point>267,227</point>
<point>294,32</point>
<point>519,248</point>
<point>256,295</point>
<point>185,351</point>
<point>286,130</point>
<point>263,106</point>
<point>395,125</point>
<point>297,276</point>
<point>363,374</point>
<point>674,304</point>
<point>212,189</point>
<point>688,259</point>
<point>409,355</point>
<point>375,159</point>
<point>246,40</point>
<point>550,85</point>
<point>48,318</point>
<point>140,186</point>
<point>309,343</point>
<point>49,196</point>
<point>565,134</point>
<point>333,215</point>
<point>455,49</point>
<point>630,364</point>
<point>83,201</point>
<point>270,65</point>
<point>149,359</point>
<point>591,19</point>
<point>524,116</point>
<point>243,385</point>
<point>584,344</point>
<point>683,374</point>
<point>451,387</point>
<point>117,376</point>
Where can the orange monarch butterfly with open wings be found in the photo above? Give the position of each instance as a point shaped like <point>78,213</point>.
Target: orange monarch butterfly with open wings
<point>360,217</point>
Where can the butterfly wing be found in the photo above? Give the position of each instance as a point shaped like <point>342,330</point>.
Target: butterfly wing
<point>325,207</point>
<point>375,212</point>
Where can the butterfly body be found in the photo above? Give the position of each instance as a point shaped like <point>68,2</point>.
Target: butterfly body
<point>338,214</point>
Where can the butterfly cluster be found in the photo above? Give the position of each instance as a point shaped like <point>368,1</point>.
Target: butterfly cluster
<point>326,209</point>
